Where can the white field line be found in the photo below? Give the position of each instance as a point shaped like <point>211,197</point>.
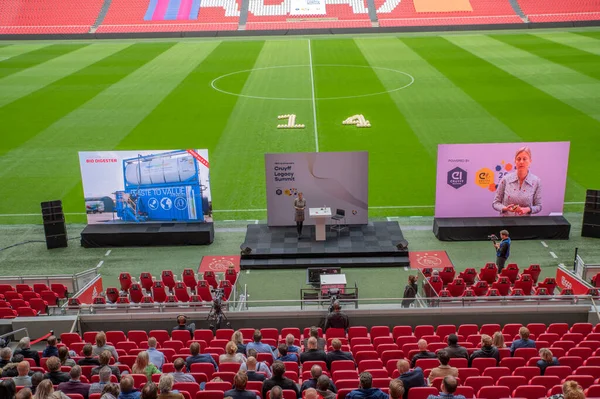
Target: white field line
<point>314,103</point>
<point>100,263</point>
<point>108,252</point>
<point>553,255</point>
<point>544,244</point>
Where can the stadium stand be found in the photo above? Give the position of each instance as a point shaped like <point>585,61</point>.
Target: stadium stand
<point>556,10</point>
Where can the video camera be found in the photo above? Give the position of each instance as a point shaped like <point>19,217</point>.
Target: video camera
<point>216,316</point>
<point>493,238</point>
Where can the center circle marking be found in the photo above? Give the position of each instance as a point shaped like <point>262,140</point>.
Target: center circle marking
<point>214,81</point>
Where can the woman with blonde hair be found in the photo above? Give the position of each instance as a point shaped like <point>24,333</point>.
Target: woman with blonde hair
<point>546,360</point>
<point>231,355</point>
<point>45,390</point>
<point>498,340</point>
<point>238,340</point>
<point>570,390</point>
<point>142,365</point>
<point>102,346</point>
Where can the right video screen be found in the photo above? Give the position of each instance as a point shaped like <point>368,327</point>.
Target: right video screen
<point>501,179</point>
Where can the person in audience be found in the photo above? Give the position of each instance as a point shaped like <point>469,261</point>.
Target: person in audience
<point>448,388</point>
<point>165,388</point>
<point>289,341</point>
<point>313,353</point>
<point>546,360</point>
<point>410,291</point>
<point>315,373</point>
<point>45,390</point>
<point>196,357</point>
<point>11,369</point>
<point>54,374</point>
<point>239,391</point>
<point>51,349</point>
<point>523,342</point>
<point>498,340</point>
<point>396,389</point>
<point>487,350</point>
<point>410,378</point>
<point>36,378</point>
<point>181,325</point>
<point>98,387</point>
<point>323,384</point>
<point>104,359</point>
<point>337,353</point>
<point>88,359</point>
<point>257,371</point>
<point>63,356</point>
<point>285,355</point>
<point>157,358</point>
<point>570,390</point>
<point>310,393</point>
<point>423,353</point>
<point>74,385</point>
<point>23,379</point>
<point>238,340</point>
<point>149,391</point>
<point>258,346</point>
<point>443,369</point>
<point>128,390</point>
<point>279,379</point>
<point>111,391</point>
<point>178,374</point>
<point>337,318</point>
<point>5,355</point>
<point>101,346</point>
<point>365,389</point>
<point>314,332</point>
<point>276,392</point>
<point>24,393</point>
<point>454,349</point>
<point>231,354</point>
<point>24,348</point>
<point>7,389</point>
<point>142,365</point>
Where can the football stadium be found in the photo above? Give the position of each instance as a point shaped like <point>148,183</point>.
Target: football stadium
<point>370,186</point>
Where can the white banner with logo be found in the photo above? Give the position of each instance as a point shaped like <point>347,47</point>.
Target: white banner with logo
<point>307,7</point>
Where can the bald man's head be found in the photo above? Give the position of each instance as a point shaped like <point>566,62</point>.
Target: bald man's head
<point>316,371</point>
<point>422,345</point>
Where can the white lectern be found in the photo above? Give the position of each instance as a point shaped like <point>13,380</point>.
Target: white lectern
<point>320,215</point>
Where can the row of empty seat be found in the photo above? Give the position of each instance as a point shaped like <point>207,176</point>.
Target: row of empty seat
<point>23,300</point>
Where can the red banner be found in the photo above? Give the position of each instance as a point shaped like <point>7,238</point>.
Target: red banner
<point>219,264</point>
<point>433,259</point>
<point>566,279</point>
<point>87,294</point>
<point>198,157</point>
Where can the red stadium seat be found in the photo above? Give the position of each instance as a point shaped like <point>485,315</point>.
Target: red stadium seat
<point>168,279</point>
<point>209,276</point>
<point>525,283</point>
<point>478,382</point>
<point>181,292</point>
<point>530,392</point>
<point>203,290</point>
<point>50,297</point>
<point>494,392</point>
<point>468,275</point>
<point>561,372</point>
<point>548,381</point>
<point>146,281</point>
<point>480,288</point>
<point>511,271</point>
<point>421,392</point>
<point>60,290</point>
<point>189,279</point>
<point>534,271</point>
<point>125,281</point>
<point>482,363</point>
<point>158,292</point>
<point>488,273</point>
<point>447,274</point>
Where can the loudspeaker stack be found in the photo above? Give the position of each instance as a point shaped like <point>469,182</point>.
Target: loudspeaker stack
<point>591,215</point>
<point>55,229</point>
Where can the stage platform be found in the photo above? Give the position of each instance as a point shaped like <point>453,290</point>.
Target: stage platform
<point>373,244</point>
<point>147,234</point>
<point>519,228</point>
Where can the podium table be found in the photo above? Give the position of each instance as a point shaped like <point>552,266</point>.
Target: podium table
<point>332,281</point>
<point>320,215</point>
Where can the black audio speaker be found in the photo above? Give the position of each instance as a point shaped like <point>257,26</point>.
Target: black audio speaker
<point>55,229</point>
<point>591,214</point>
<point>52,211</point>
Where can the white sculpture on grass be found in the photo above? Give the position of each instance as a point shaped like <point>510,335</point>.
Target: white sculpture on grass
<point>358,120</point>
<point>291,122</point>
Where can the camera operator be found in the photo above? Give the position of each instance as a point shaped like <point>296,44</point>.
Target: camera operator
<point>502,250</point>
<point>336,318</point>
<point>181,325</point>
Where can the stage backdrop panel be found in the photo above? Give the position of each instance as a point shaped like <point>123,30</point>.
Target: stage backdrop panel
<point>331,179</point>
<point>146,186</point>
<point>469,179</point>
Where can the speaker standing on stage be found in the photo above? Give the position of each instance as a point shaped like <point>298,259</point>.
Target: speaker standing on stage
<point>502,250</point>
<point>299,206</point>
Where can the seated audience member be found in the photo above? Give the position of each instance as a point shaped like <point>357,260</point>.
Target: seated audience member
<point>178,374</point>
<point>410,378</point>
<point>313,353</point>
<point>279,379</point>
<point>98,387</point>
<point>128,390</point>
<point>11,369</point>
<point>196,357</point>
<point>454,349</point>
<point>314,333</point>
<point>498,340</point>
<point>323,385</point>
<point>365,389</point>
<point>396,389</point>
<point>443,369</point>
<point>51,349</point>
<point>547,359</point>
<point>111,391</point>
<point>45,390</point>
<point>157,358</point>
<point>63,356</point>
<point>570,390</point>
<point>104,359</point>
<point>310,393</point>
<point>448,388</point>
<point>423,353</point>
<point>259,346</point>
<point>7,389</point>
<point>315,373</point>
<point>231,354</point>
<point>337,353</point>
<point>181,320</point>
<point>165,388</point>
<point>88,359</point>
<point>54,374</point>
<point>24,348</point>
<point>487,350</point>
<point>239,391</point>
<point>289,341</point>
<point>276,392</point>
<point>23,379</point>
<point>337,318</point>
<point>150,391</point>
<point>257,371</point>
<point>74,385</point>
<point>285,356</point>
<point>5,355</point>
<point>101,346</point>
<point>36,378</point>
<point>238,340</point>
<point>24,393</point>
<point>142,365</point>
<point>523,342</point>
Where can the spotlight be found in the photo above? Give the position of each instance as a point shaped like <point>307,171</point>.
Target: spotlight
<point>402,245</point>
<point>245,250</point>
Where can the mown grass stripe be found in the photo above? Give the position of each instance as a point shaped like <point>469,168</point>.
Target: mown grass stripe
<point>570,57</point>
<point>593,34</point>
<point>70,92</point>
<point>12,50</point>
<point>38,56</point>
<point>579,42</point>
